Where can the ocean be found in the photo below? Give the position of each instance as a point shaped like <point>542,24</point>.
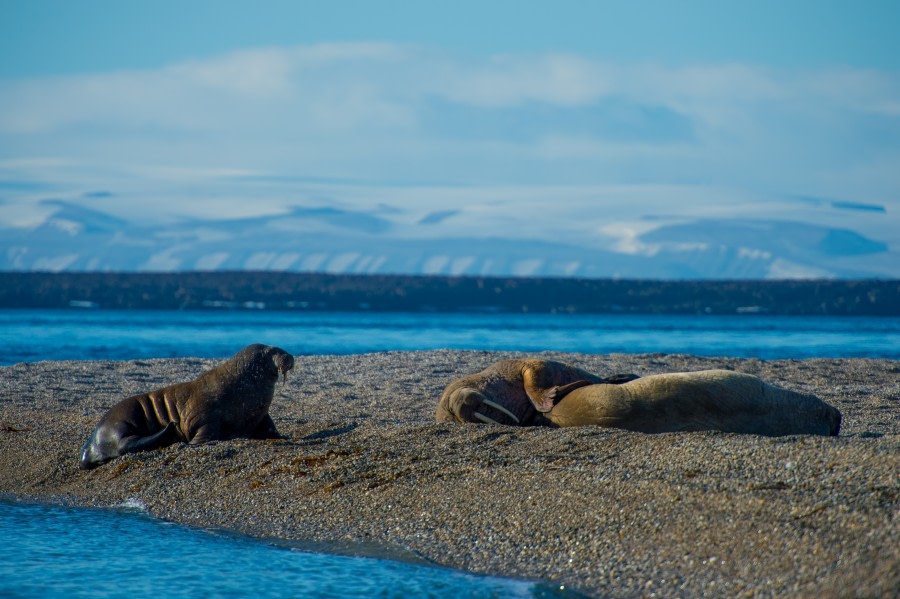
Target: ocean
<point>54,551</point>
<point>31,335</point>
<point>48,551</point>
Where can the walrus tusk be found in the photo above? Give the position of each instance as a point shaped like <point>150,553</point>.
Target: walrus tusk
<point>497,406</point>
<point>485,419</point>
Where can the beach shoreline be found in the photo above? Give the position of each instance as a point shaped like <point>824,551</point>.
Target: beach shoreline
<point>364,469</point>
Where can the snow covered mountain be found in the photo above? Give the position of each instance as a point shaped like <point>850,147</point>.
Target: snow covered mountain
<point>73,237</point>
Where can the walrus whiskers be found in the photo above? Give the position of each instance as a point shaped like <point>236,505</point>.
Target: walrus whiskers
<point>485,419</point>
<point>500,408</point>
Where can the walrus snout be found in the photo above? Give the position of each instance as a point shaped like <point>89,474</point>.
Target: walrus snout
<point>470,405</point>
<point>284,362</point>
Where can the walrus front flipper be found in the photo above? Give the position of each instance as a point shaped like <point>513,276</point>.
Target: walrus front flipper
<point>265,430</point>
<point>163,438</point>
<point>834,421</point>
<point>541,386</point>
<point>552,396</point>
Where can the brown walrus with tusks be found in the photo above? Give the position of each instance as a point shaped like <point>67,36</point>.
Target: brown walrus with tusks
<point>507,392</point>
<point>226,402</point>
<point>691,401</point>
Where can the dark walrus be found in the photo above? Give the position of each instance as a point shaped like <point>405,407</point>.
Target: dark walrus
<point>229,401</point>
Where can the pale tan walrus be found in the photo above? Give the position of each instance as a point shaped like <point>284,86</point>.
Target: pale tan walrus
<point>507,391</point>
<point>691,401</point>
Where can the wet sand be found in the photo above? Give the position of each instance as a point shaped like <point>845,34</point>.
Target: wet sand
<point>365,469</point>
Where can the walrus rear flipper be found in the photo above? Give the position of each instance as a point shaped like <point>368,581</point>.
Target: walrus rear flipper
<point>109,441</point>
<point>163,438</point>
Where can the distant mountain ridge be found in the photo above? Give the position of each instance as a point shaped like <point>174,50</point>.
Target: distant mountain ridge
<point>74,238</point>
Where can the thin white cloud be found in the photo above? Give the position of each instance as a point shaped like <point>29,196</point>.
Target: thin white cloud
<point>242,89</point>
<point>857,90</point>
<point>508,80</point>
<point>197,134</point>
<point>365,88</point>
<point>257,73</point>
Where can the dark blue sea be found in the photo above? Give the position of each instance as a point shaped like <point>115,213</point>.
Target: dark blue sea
<point>31,335</point>
<point>50,551</point>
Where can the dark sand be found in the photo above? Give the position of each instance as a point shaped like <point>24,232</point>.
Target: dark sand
<point>365,469</point>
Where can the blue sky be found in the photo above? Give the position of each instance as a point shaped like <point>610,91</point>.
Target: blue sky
<point>61,36</point>
<point>180,109</point>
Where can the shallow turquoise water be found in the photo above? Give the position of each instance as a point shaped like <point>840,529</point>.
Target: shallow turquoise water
<point>52,551</point>
<point>125,335</point>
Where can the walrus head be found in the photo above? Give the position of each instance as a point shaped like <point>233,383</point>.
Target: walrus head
<point>268,360</point>
<point>283,362</point>
<point>469,405</point>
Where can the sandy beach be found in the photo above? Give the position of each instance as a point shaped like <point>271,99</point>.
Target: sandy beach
<point>364,469</point>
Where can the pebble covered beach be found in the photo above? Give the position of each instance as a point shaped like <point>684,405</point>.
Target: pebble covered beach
<point>364,469</point>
